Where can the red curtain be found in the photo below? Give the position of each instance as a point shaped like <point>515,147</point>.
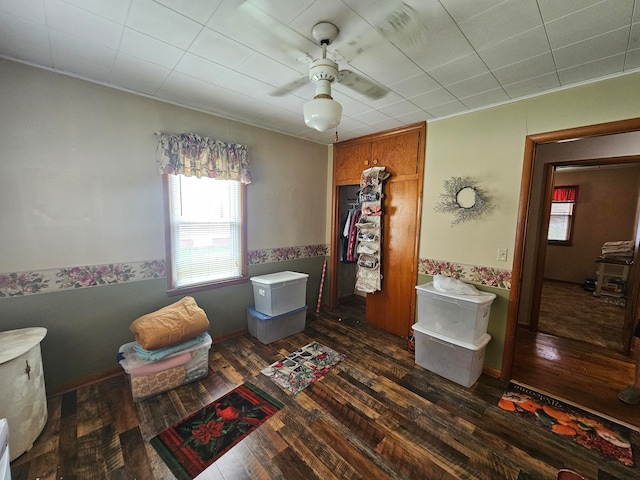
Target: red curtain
<point>565,194</point>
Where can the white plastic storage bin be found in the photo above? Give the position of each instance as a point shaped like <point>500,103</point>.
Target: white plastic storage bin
<point>149,378</point>
<point>268,329</point>
<point>457,361</point>
<point>280,292</point>
<point>464,318</point>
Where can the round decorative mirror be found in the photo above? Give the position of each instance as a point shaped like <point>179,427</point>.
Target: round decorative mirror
<point>466,197</point>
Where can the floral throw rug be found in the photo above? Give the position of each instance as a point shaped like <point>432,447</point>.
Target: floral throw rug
<point>301,368</point>
<point>584,428</point>
<point>196,442</point>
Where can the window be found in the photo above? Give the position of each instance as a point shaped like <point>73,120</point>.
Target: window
<point>562,214</point>
<point>205,232</point>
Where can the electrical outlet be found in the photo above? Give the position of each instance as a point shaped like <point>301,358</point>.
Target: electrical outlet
<point>502,254</point>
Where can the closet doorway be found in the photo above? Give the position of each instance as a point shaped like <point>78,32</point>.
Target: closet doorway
<point>401,152</point>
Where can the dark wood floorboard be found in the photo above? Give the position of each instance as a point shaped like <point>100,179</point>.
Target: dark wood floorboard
<point>377,415</point>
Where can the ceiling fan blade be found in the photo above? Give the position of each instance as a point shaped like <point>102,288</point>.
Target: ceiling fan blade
<point>290,87</point>
<point>362,85</point>
<point>278,34</point>
<point>403,26</point>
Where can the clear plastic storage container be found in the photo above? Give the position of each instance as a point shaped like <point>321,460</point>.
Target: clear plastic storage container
<point>280,292</point>
<point>149,378</point>
<point>464,318</point>
<point>457,361</point>
<point>268,329</point>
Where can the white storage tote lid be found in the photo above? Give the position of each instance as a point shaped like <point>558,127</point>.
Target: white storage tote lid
<point>451,341</point>
<point>481,299</point>
<point>279,278</point>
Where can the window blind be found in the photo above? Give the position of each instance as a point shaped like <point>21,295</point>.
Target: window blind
<point>206,225</point>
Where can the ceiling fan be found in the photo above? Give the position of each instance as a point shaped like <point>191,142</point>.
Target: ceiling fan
<point>324,70</point>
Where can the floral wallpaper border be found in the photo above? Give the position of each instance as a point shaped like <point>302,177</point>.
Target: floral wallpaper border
<point>493,277</point>
<point>56,280</point>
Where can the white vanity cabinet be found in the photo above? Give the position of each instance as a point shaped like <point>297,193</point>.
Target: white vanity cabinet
<point>23,400</point>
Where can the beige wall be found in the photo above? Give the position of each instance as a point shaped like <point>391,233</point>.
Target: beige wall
<point>488,146</point>
<point>605,211</point>
<point>78,181</point>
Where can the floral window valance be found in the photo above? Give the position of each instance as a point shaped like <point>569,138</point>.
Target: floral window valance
<point>192,155</point>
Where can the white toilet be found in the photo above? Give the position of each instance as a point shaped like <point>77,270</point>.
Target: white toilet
<point>5,472</point>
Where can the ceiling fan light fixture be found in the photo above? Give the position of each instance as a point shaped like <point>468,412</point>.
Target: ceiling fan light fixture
<point>322,113</point>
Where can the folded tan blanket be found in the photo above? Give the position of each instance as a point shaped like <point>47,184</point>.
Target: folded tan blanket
<point>172,324</point>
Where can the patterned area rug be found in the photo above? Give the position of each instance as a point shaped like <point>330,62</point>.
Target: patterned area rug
<point>301,368</point>
<point>582,427</point>
<point>196,442</point>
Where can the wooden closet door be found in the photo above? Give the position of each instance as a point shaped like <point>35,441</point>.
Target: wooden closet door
<point>393,308</point>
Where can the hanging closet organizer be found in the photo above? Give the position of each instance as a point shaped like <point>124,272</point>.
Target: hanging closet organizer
<point>369,248</point>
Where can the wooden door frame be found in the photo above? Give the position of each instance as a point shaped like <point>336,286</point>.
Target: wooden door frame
<point>334,247</point>
<point>526,217</point>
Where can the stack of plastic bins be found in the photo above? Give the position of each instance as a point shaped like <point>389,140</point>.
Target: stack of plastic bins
<point>152,372</point>
<point>451,334</point>
<point>280,308</point>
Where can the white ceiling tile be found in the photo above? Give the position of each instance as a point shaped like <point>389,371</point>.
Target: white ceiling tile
<point>528,68</point>
<point>148,48</point>
<point>553,9</point>
<point>162,23</point>
<point>497,24</point>
<point>283,10</point>
<point>589,22</point>
<point>458,70</point>
<point>115,10</point>
<point>514,49</point>
<point>412,86</point>
<point>138,75</point>
<point>267,70</point>
<point>634,38</point>
<point>83,24</point>
<point>632,60</point>
<point>27,10</point>
<point>24,40</point>
<point>474,85</point>
<point>417,116</point>
<point>354,107</point>
<point>587,71</point>
<point>80,57</point>
<point>446,109</point>
<point>220,49</point>
<point>202,69</point>
<point>592,49</point>
<point>442,47</point>
<point>370,117</point>
<point>385,64</point>
<point>463,10</point>
<point>387,124</point>
<point>432,99</point>
<point>249,26</point>
<point>396,109</point>
<point>198,10</point>
<point>491,97</point>
<point>532,86</point>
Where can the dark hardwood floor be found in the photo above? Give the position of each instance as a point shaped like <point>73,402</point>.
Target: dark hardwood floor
<point>376,416</point>
<point>577,352</point>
